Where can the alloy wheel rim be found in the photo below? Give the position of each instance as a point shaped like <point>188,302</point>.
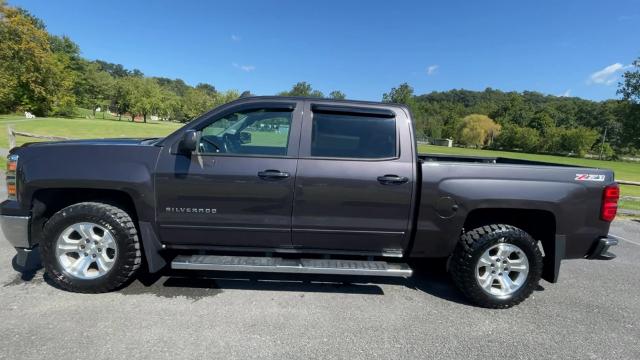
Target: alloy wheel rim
<point>502,269</point>
<point>86,250</point>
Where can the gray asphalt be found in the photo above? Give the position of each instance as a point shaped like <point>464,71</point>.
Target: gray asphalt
<point>592,313</point>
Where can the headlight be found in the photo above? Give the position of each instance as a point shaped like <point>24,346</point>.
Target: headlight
<point>12,167</point>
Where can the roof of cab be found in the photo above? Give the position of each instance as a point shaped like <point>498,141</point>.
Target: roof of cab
<point>324,100</point>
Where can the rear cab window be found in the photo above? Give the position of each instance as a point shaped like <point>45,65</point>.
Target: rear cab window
<point>338,132</point>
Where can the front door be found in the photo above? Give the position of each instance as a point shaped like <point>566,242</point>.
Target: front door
<point>236,190</point>
<point>355,180</point>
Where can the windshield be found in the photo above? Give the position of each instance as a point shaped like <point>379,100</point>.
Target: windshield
<point>227,125</point>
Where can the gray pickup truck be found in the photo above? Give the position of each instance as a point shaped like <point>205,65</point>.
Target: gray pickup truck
<point>298,185</point>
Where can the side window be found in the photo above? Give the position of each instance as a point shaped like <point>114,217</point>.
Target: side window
<point>348,136</point>
<point>254,132</point>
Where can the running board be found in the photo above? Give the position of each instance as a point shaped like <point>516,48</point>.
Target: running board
<point>282,265</point>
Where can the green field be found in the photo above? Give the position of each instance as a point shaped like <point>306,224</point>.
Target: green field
<point>85,128</point>
<point>81,128</point>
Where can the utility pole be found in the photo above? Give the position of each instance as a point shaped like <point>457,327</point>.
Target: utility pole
<point>602,144</point>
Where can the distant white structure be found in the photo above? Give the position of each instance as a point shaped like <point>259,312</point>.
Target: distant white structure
<point>282,129</point>
<point>98,109</point>
<point>443,142</point>
<point>154,118</point>
<point>29,115</point>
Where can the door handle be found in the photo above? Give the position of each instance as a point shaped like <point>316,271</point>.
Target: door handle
<point>392,179</point>
<point>273,174</point>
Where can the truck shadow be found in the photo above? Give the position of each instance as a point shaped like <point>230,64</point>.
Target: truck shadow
<point>430,278</point>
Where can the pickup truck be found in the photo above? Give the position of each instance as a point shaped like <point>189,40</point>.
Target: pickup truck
<point>300,185</point>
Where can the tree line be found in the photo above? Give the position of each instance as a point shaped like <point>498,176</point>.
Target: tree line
<point>530,121</point>
<point>45,74</point>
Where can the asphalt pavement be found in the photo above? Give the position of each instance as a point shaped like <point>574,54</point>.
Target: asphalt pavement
<point>593,312</point>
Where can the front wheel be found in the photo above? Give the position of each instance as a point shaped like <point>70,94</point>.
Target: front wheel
<point>496,266</point>
<point>90,247</point>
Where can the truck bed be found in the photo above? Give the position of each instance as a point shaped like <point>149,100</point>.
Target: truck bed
<point>453,187</point>
<point>483,159</point>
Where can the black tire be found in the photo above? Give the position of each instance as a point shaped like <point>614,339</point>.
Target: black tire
<point>471,247</point>
<point>118,222</point>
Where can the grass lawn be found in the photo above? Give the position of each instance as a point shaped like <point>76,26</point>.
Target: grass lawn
<point>81,128</point>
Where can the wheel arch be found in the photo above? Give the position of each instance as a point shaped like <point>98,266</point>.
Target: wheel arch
<point>540,224</point>
<point>46,202</point>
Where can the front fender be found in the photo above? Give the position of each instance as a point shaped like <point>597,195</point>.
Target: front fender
<point>126,168</point>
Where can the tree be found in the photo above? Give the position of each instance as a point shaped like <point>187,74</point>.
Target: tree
<point>550,141</point>
<point>478,130</point>
<point>222,98</point>
<point>472,134</point>
<point>543,122</point>
<point>518,138</point>
<point>196,102</point>
<point>146,97</point>
<point>176,86</point>
<point>513,109</point>
<point>36,22</point>
<point>629,88</point>
<point>337,94</point>
<point>33,78</point>
<point>403,94</point>
<point>169,108</point>
<point>302,88</point>
<point>115,70</point>
<point>122,96</point>
<point>207,88</point>
<point>63,44</point>
<point>99,87</point>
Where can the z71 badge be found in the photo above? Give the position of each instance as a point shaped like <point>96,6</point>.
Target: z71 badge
<point>589,177</point>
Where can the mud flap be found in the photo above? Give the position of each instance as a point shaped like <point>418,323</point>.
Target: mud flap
<point>27,260</point>
<point>554,252</point>
<point>152,247</point>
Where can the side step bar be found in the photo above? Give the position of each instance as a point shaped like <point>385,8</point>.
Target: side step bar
<point>281,265</point>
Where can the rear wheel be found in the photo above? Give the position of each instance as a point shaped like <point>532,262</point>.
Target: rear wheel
<point>90,247</point>
<point>496,266</point>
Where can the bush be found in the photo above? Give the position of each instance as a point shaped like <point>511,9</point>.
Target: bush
<point>606,150</point>
<point>519,138</point>
<point>578,140</point>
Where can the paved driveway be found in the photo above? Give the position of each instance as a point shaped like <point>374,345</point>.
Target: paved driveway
<point>592,313</point>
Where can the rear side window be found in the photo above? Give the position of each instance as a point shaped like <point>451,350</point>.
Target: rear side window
<point>348,136</point>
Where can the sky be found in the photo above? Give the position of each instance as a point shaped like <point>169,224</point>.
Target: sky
<point>363,48</point>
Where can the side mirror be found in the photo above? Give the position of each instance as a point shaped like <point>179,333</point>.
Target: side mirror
<point>245,137</point>
<point>189,142</point>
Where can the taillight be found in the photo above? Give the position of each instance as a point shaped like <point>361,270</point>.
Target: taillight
<point>610,197</point>
<point>12,167</point>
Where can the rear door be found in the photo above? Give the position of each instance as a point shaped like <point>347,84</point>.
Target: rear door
<point>354,180</point>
